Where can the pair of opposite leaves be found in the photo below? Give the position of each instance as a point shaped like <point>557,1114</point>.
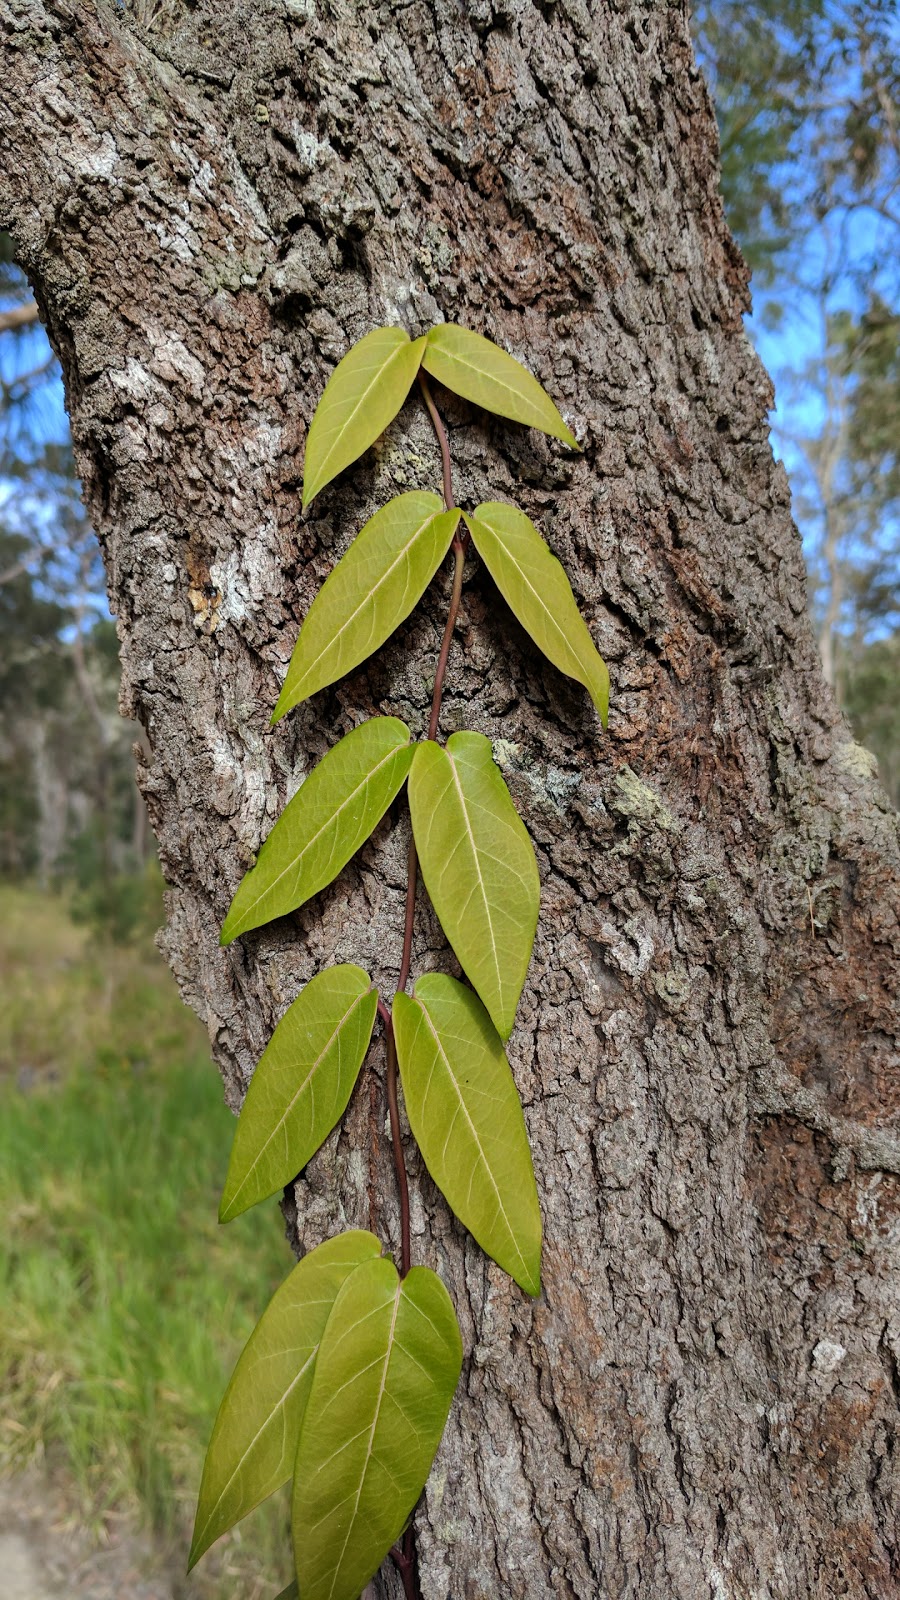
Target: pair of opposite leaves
<point>368,388</point>
<point>345,1383</point>
<point>476,857</point>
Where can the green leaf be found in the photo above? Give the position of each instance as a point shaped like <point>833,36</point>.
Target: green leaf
<point>388,1365</point>
<point>330,816</point>
<point>371,590</point>
<point>290,1593</point>
<point>254,1438</point>
<point>478,865</point>
<point>363,394</point>
<point>535,585</point>
<point>480,371</point>
<point>301,1086</point>
<point>465,1113</point>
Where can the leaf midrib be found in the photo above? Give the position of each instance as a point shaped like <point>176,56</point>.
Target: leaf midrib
<point>481,884</point>
<point>490,378</point>
<point>289,1108</point>
<point>368,599</point>
<point>292,865</point>
<point>368,1456</point>
<point>568,648</point>
<point>258,1434</point>
<point>465,1111</point>
<point>348,421</point>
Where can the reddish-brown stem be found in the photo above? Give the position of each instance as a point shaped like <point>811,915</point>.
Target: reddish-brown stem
<point>459,555</point>
<point>397,1146</point>
<point>412,867</point>
<point>442,439</point>
<point>405,1555</point>
<point>405,1559</point>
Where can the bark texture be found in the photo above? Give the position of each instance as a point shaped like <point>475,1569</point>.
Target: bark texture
<point>213,202</point>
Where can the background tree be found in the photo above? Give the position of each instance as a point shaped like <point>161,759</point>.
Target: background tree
<point>806,97</point>
<point>704,1397</point>
<point>67,800</point>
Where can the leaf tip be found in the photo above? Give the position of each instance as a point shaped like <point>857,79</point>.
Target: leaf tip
<point>529,1278</point>
<point>503,1025</point>
<point>600,698</point>
<point>198,1548</point>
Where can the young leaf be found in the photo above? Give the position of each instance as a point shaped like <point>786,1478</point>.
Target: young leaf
<point>478,866</point>
<point>301,1086</point>
<point>388,1365</point>
<point>363,394</point>
<point>254,1438</point>
<point>330,816</point>
<point>480,371</point>
<point>371,590</point>
<point>467,1119</point>
<point>535,585</point>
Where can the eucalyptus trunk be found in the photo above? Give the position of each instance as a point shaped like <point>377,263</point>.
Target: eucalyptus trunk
<point>213,203</point>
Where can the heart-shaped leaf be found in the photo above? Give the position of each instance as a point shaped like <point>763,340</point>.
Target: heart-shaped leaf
<point>387,1368</point>
<point>301,1085</point>
<point>330,816</point>
<point>371,590</point>
<point>465,1113</point>
<point>479,370</point>
<point>254,1438</point>
<point>535,585</point>
<point>363,394</point>
<point>478,866</point>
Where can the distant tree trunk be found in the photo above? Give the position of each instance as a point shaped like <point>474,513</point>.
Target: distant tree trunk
<point>52,807</point>
<point>212,203</point>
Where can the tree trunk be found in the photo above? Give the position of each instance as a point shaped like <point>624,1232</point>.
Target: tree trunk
<point>213,202</point>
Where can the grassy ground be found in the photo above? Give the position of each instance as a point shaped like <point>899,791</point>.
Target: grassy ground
<point>124,1304</point>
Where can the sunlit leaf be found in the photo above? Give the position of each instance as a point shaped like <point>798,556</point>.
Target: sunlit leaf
<point>478,865</point>
<point>388,1365</point>
<point>363,394</point>
<point>465,1113</point>
<point>535,585</point>
<point>301,1085</point>
<point>254,1438</point>
<point>479,370</point>
<point>330,816</point>
<point>371,590</point>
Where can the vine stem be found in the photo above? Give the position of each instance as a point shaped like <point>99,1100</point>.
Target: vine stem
<point>443,441</point>
<point>412,873</point>
<point>405,1555</point>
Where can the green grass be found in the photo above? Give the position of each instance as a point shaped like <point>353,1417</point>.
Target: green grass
<point>124,1302</point>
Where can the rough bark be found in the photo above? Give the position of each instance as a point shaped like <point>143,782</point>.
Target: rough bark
<point>212,204</point>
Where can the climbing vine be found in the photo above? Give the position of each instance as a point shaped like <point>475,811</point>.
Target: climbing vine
<point>346,1383</point>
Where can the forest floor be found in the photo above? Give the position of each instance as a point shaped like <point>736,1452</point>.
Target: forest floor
<point>123,1304</point>
<point>45,1555</point>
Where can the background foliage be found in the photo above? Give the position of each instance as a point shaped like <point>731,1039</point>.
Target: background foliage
<point>807,95</point>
